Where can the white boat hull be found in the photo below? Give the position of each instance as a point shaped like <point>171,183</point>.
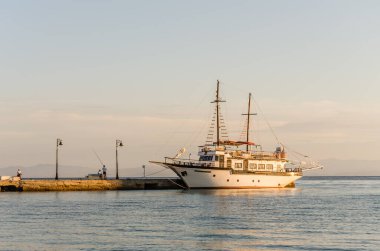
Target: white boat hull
<point>224,178</point>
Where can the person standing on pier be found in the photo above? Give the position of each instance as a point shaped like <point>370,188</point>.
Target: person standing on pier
<point>100,174</point>
<point>104,172</point>
<point>19,173</point>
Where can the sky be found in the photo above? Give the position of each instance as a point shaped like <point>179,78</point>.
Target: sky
<point>91,72</point>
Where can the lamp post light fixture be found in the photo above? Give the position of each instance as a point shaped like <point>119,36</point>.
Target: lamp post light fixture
<point>144,170</point>
<point>119,143</point>
<point>59,143</point>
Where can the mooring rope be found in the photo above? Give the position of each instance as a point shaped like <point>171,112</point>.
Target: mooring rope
<point>157,172</point>
<point>177,184</point>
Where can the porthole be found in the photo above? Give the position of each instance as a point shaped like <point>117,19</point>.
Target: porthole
<point>253,180</point>
<point>213,175</point>
<point>237,180</point>
<point>258,181</point>
<point>228,180</point>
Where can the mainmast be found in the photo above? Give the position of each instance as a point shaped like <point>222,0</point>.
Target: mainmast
<point>249,114</point>
<point>217,101</point>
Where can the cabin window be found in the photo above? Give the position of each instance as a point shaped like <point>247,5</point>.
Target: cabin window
<point>238,165</point>
<point>252,166</point>
<point>229,163</point>
<point>216,158</point>
<point>205,158</point>
<point>269,167</point>
<point>261,166</point>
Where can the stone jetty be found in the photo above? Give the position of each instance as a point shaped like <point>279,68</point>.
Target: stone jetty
<point>45,185</point>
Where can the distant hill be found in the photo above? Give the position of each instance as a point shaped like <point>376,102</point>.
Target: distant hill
<point>336,167</point>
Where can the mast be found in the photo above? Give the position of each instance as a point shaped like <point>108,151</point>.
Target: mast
<point>217,101</point>
<point>217,115</point>
<point>249,114</point>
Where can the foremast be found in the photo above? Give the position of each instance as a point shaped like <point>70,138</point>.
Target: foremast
<point>217,101</point>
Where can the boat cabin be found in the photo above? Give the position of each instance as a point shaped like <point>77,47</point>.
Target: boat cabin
<point>239,160</point>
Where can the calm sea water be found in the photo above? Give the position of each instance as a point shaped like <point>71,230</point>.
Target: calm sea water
<point>320,214</point>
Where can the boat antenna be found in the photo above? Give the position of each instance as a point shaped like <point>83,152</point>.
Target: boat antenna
<point>248,114</point>
<point>217,101</point>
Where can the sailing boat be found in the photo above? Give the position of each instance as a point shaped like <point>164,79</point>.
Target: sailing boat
<point>222,164</point>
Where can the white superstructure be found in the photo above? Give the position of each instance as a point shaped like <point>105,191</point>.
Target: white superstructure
<point>222,168</point>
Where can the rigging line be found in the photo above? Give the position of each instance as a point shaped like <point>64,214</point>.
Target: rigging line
<point>224,116</point>
<point>207,94</point>
<point>298,155</point>
<point>190,142</point>
<point>295,156</point>
<point>295,152</point>
<point>266,121</point>
<point>255,128</point>
<point>244,129</point>
<point>274,134</point>
<point>168,140</point>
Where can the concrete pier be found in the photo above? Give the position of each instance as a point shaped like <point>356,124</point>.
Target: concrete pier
<point>41,185</point>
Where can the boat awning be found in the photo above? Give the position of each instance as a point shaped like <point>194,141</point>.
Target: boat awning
<point>235,143</point>
<point>246,143</point>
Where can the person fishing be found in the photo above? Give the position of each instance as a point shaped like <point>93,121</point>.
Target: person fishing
<point>104,169</point>
<point>19,173</point>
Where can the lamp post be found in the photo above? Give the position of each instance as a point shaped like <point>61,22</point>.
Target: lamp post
<point>144,170</point>
<point>59,143</point>
<point>119,143</point>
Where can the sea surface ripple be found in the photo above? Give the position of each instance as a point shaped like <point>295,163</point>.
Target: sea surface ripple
<point>321,213</point>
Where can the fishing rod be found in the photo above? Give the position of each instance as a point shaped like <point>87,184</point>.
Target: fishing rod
<point>96,154</point>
